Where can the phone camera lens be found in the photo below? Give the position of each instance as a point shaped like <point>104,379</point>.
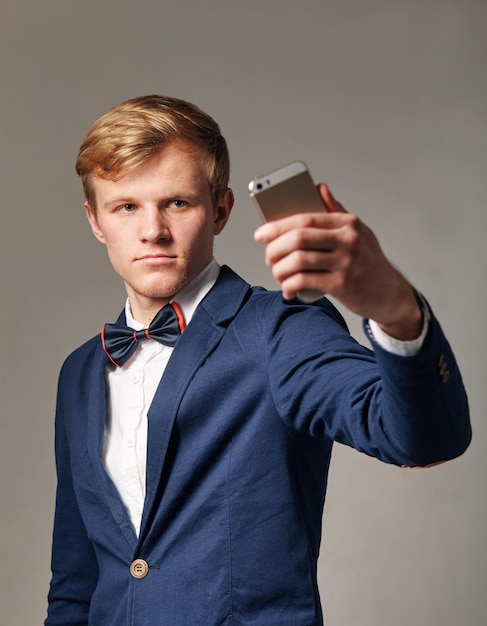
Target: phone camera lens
<point>259,185</point>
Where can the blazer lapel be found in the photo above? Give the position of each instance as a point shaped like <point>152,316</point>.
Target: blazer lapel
<point>200,338</point>
<point>96,427</point>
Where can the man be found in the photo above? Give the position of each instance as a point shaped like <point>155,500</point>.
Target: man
<point>192,476</point>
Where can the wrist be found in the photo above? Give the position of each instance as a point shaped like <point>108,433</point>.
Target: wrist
<point>408,320</point>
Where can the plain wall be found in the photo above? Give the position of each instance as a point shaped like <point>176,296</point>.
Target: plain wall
<point>386,101</point>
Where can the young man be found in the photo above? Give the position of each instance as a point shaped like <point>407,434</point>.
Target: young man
<point>192,466</point>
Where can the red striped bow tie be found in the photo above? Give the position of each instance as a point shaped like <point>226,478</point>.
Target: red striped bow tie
<point>120,342</point>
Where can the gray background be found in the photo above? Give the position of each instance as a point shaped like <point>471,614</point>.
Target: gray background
<point>386,101</point>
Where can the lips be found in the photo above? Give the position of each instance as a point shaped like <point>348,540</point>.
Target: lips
<point>155,259</point>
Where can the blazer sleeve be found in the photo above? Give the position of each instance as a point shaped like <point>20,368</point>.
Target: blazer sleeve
<point>74,565</point>
<point>409,411</point>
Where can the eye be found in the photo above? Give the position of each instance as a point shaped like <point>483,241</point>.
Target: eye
<point>127,208</point>
<point>178,204</point>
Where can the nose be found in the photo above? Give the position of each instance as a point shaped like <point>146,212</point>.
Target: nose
<point>154,226</point>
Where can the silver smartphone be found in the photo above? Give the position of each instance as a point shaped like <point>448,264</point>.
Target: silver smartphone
<point>284,192</point>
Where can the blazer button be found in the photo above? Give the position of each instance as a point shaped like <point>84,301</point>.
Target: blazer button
<point>139,568</point>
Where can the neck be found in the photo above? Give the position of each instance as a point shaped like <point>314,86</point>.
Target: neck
<point>145,314</point>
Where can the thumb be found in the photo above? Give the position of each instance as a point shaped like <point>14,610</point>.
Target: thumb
<point>332,205</point>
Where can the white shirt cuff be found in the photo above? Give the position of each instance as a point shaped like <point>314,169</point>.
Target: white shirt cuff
<point>396,346</point>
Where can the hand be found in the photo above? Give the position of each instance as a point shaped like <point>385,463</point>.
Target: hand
<point>335,253</point>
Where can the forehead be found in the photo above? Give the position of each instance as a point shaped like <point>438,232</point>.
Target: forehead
<point>176,166</point>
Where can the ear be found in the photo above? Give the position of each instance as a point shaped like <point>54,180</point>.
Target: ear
<point>95,228</point>
<point>223,211</point>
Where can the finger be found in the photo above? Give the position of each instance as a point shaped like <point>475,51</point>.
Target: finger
<point>300,242</point>
<point>298,262</point>
<point>275,228</point>
<point>329,199</point>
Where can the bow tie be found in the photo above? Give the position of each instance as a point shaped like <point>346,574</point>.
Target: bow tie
<point>120,342</point>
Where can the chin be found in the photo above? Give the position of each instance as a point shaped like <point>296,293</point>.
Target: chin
<point>160,291</point>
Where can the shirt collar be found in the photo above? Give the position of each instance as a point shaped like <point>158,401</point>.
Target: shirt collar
<point>188,298</point>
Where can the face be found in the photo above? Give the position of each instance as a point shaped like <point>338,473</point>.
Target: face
<point>158,223</point>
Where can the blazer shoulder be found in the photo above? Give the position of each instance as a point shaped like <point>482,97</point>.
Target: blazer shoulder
<point>232,296</point>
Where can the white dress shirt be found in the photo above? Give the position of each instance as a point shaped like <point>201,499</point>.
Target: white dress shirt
<point>131,389</point>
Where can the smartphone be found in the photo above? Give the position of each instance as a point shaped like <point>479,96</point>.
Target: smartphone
<point>284,192</point>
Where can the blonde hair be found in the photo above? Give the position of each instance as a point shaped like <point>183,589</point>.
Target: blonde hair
<point>132,132</point>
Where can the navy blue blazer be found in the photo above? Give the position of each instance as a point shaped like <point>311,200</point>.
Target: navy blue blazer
<point>240,436</point>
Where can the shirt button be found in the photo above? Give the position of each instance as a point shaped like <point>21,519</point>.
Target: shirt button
<point>139,568</point>
<point>135,379</point>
